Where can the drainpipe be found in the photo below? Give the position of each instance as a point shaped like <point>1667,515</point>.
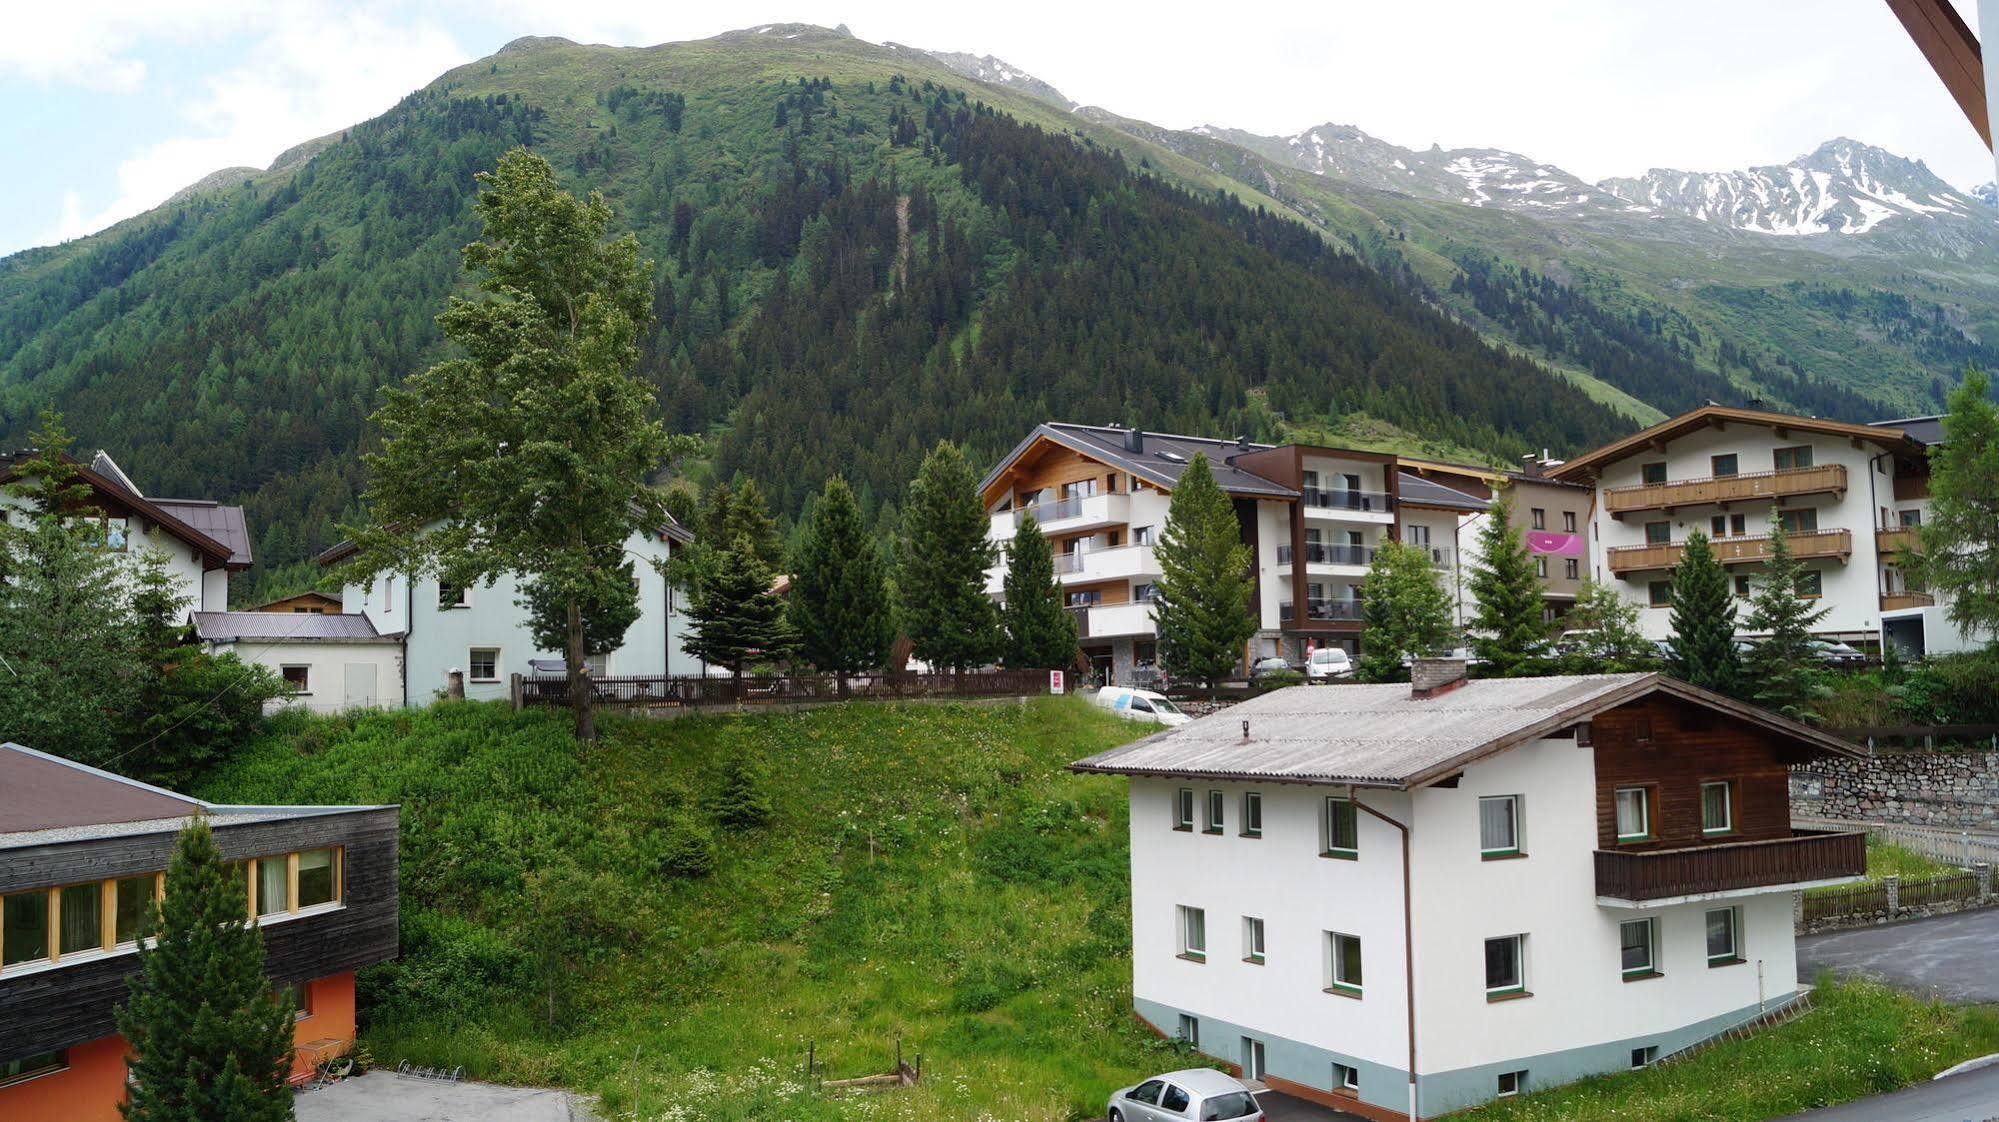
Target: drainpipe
<point>1874,511</point>
<point>1408,941</point>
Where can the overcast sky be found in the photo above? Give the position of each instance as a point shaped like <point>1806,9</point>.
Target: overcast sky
<point>110,106</point>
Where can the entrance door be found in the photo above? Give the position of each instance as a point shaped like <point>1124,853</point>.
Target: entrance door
<point>1101,661</point>
<point>360,689</point>
<point>1252,1060</point>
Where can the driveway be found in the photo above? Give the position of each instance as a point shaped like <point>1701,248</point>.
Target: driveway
<point>1283,1108</point>
<point>1971,1097</point>
<point>384,1096</point>
<point>1950,957</point>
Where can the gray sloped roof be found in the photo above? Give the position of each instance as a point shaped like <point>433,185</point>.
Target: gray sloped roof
<point>1413,488</point>
<point>1164,457</point>
<point>287,627</point>
<point>1380,736</point>
<point>1923,430</point>
<point>225,524</point>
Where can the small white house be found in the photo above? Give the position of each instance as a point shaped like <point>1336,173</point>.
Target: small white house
<point>330,661</point>
<point>1403,901</point>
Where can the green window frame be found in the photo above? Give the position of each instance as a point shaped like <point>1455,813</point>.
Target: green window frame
<point>1252,814</point>
<point>1340,826</point>
<point>1632,808</point>
<point>1718,807</point>
<point>1183,809</point>
<point>1499,826</point>
<point>1343,964</point>
<point>1724,936</point>
<point>1217,814</point>
<point>1505,966</point>
<point>1193,933</point>
<point>1638,948</point>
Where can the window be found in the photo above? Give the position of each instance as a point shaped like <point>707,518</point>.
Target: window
<point>1499,826</point>
<point>1572,569</point>
<point>1717,808</point>
<point>1148,1091</point>
<point>1511,1083</point>
<point>1214,824</point>
<point>1252,814</point>
<point>1634,813</point>
<point>274,885</point>
<point>1190,1031</point>
<point>318,877</point>
<point>1343,963</point>
<point>1085,599</point>
<point>1718,526</point>
<point>1792,459</point>
<point>134,906</point>
<point>1539,517</point>
<point>452,596</point>
<point>1635,941</point>
<point>1653,472</point>
<point>1174,1099</point>
<point>1803,520</point>
<point>82,918</point>
<point>28,1067</point>
<point>1503,975</point>
<point>1541,567</point>
<point>1742,587</point>
<point>1568,521</point>
<point>298,679</point>
<point>1658,533</point>
<point>1659,594</point>
<point>1193,933</point>
<point>1418,535</point>
<point>485,663</point>
<point>117,534</point>
<point>1341,829</point>
<point>1723,947</point>
<point>1346,1077</point>
<point>1644,1057</point>
<point>1144,593</point>
<point>1183,809</point>
<point>1811,583</point>
<point>1252,940</point>
<point>1722,465</point>
<point>24,928</point>
<point>1911,517</point>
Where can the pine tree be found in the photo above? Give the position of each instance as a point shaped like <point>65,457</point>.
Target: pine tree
<point>1508,630</point>
<point>1779,672</point>
<point>1959,559</point>
<point>1040,632</point>
<point>1405,611</point>
<point>839,606</point>
<point>736,616</point>
<point>210,1041</point>
<point>1701,651</point>
<point>941,575</point>
<point>1203,612</point>
<point>748,517</point>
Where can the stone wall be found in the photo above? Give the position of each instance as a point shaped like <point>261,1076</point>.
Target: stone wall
<point>1954,790</point>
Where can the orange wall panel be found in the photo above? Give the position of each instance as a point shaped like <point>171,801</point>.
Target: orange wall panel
<point>89,1090</point>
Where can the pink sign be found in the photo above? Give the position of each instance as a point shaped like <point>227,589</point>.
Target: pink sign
<point>1568,545</point>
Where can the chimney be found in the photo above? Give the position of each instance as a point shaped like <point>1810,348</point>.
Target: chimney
<point>1429,677</point>
<point>1242,443</point>
<point>1134,439</point>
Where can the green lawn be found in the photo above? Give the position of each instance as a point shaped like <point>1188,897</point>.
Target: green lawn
<point>1886,859</point>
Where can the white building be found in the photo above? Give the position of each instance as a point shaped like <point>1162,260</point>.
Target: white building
<point>483,631</point>
<point>201,542</point>
<point>1553,877</point>
<point>330,661</point>
<point>1847,495</point>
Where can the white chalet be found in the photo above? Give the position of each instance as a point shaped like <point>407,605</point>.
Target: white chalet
<point>1404,901</point>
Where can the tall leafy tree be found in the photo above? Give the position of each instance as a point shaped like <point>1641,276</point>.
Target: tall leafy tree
<point>1960,541</point>
<point>1203,612</point>
<point>1702,650</point>
<point>530,453</point>
<point>1780,672</point>
<point>839,606</point>
<point>942,563</point>
<point>1507,627</point>
<point>1607,635</point>
<point>737,616</point>
<point>210,1041</point>
<point>1405,611</point>
<point>1040,632</point>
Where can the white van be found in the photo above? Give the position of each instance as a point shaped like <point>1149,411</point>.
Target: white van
<point>1328,663</point>
<point>1140,705</point>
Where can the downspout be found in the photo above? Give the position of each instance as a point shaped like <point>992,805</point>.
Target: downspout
<point>1408,941</point>
<point>1874,511</point>
<point>409,631</point>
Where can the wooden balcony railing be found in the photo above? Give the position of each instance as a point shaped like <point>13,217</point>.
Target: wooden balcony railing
<point>1900,601</point>
<point>1721,490</point>
<point>1659,874</point>
<point>1731,551</point>
<point>1891,540</point>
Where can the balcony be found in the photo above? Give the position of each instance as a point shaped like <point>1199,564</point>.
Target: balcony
<point>1122,562</point>
<point>1805,545</point>
<point>1064,516</point>
<point>1341,503</point>
<point>1320,610</point>
<point>1316,553</point>
<point>1904,601</point>
<point>1721,490</point>
<point>1102,620</point>
<point>1645,878</point>
<point>1895,540</point>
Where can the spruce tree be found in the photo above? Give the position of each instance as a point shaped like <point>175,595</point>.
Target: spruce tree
<point>1405,611</point>
<point>1040,632</point>
<point>1508,630</point>
<point>210,1041</point>
<point>1959,559</point>
<point>736,616</point>
<point>942,563</point>
<point>1701,651</point>
<point>839,606</point>
<point>1779,672</point>
<point>748,518</point>
<point>1203,612</point>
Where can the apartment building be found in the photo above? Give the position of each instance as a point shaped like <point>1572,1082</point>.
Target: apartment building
<point>1406,900</point>
<point>83,854</point>
<point>1847,495</point>
<point>1552,516</point>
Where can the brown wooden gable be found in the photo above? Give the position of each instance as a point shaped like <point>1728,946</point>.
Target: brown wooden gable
<point>1671,747</point>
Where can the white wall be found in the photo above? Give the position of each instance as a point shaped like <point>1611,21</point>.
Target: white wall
<point>204,591</point>
<point>327,672</point>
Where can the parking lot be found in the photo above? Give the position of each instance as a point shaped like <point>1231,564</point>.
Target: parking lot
<point>383,1096</point>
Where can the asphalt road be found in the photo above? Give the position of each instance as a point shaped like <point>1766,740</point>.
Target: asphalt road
<point>1971,1097</point>
<point>1283,1108</point>
<point>1954,957</point>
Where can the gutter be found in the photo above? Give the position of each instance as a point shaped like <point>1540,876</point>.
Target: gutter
<point>1408,941</point>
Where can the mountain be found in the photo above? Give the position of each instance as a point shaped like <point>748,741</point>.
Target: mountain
<point>858,252</point>
<point>995,72</point>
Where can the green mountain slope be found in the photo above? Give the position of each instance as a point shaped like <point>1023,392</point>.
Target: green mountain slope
<point>855,257</point>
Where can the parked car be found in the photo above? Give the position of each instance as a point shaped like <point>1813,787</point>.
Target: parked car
<point>1264,668</point>
<point>1463,654</point>
<point>1140,705</point>
<point>1837,654</point>
<point>1328,663</point>
<point>1198,1093</point>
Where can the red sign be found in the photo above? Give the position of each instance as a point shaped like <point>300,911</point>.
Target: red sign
<point>1054,681</point>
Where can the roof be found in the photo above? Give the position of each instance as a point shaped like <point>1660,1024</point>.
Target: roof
<point>342,550</point>
<point>223,523</point>
<point>1164,457</point>
<point>311,596</point>
<point>287,627</point>
<point>1922,430</point>
<point>1412,488</point>
<point>1203,1081</point>
<point>1380,736</point>
<point>46,799</point>
<point>1887,436</point>
<point>117,488</point>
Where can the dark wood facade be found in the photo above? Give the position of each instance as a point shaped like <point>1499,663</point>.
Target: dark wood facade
<point>64,1005</point>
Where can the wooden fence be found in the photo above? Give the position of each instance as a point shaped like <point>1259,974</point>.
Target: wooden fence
<point>650,691</point>
<point>1894,898</point>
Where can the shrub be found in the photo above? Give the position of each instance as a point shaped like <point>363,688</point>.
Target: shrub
<point>740,803</point>
<point>1273,679</point>
<point>682,849</point>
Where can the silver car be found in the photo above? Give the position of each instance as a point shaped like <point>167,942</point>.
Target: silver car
<point>1201,1094</point>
